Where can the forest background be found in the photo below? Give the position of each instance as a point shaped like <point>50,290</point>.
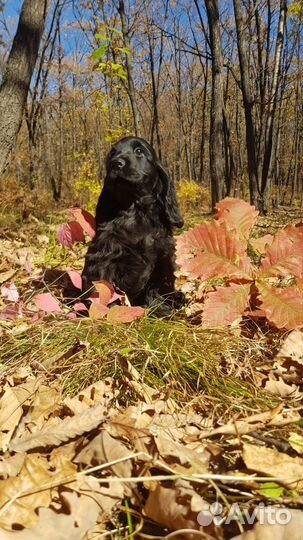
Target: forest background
<point>205,83</point>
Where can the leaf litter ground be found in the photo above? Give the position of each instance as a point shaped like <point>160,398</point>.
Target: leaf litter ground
<point>155,429</point>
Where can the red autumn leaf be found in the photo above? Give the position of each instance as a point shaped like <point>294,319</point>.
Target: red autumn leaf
<point>237,214</point>
<point>125,314</point>
<point>10,292</point>
<point>69,233</point>
<point>105,290</point>
<point>75,278</point>
<point>285,255</point>
<point>261,244</point>
<point>226,305</point>
<point>86,220</point>
<point>79,306</point>
<point>295,232</point>
<point>98,311</point>
<point>283,307</point>
<point>72,316</point>
<point>47,302</point>
<point>210,250</point>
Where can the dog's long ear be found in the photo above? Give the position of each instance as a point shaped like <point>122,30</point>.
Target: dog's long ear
<point>105,206</point>
<point>169,198</point>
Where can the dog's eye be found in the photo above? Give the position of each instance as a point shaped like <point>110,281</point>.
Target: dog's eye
<point>139,151</point>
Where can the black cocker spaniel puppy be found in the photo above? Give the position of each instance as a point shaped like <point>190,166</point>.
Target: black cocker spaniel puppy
<point>137,210</point>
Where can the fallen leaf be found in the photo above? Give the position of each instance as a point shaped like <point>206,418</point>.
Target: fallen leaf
<point>98,311</point>
<point>6,276</point>
<point>175,507</point>
<point>280,388</point>
<point>105,291</point>
<point>77,512</point>
<point>240,426</point>
<point>53,434</point>
<point>11,408</point>
<point>10,292</point>
<point>47,302</point>
<point>104,449</point>
<point>22,511</point>
<point>10,466</point>
<point>288,470</point>
<point>292,347</point>
<point>125,314</point>
<point>75,278</point>
<point>180,458</point>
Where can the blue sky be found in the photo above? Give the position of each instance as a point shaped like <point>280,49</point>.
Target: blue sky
<point>11,14</point>
<point>12,7</point>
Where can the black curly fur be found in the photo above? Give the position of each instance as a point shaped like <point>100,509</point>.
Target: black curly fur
<point>134,248</point>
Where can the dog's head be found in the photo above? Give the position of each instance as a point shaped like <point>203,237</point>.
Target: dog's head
<point>132,168</point>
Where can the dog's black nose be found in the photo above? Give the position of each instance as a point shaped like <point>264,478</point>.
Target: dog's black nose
<point>118,163</point>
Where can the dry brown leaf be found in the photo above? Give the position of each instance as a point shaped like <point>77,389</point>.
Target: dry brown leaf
<point>62,457</point>
<point>292,347</point>
<point>34,473</point>
<point>104,449</point>
<point>274,417</point>
<point>11,408</point>
<point>10,414</point>
<point>139,439</point>
<point>11,465</point>
<point>265,531</point>
<point>54,433</point>
<point>181,458</point>
<point>289,470</point>
<point>101,391</point>
<point>175,507</point>
<point>45,403</point>
<point>77,518</point>
<point>280,388</point>
<point>7,276</point>
<point>106,496</point>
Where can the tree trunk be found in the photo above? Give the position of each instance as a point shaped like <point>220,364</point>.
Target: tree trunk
<point>217,104</point>
<point>129,67</point>
<point>274,96</point>
<point>248,103</point>
<point>18,72</point>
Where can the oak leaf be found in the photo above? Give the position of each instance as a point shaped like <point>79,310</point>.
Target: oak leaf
<point>283,307</point>
<point>285,254</point>
<point>226,305</point>
<point>237,214</point>
<point>210,250</point>
<point>54,433</point>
